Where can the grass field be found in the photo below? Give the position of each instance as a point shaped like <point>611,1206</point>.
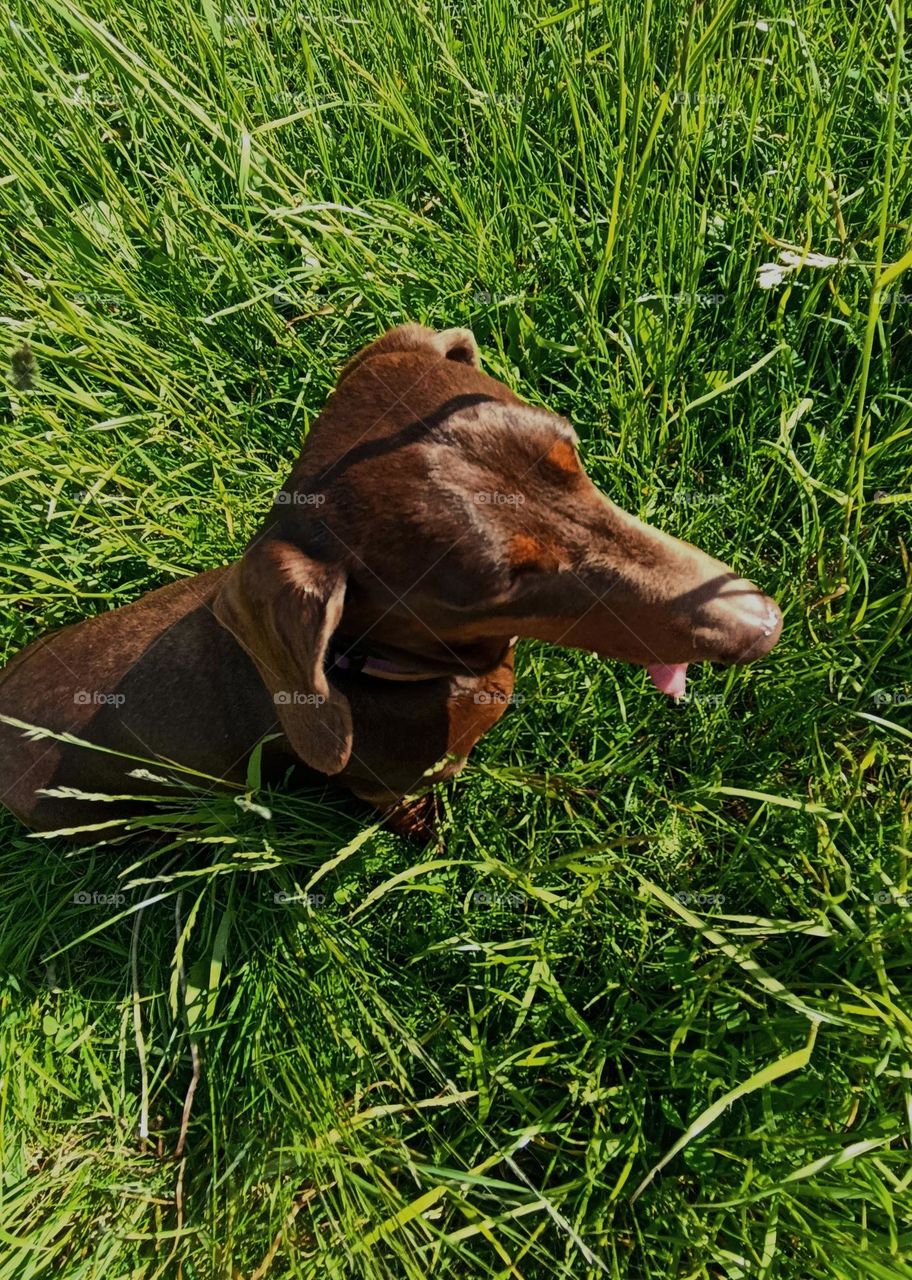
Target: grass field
<point>647,1014</point>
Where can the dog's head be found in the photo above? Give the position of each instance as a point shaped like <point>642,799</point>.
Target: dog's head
<point>432,516</point>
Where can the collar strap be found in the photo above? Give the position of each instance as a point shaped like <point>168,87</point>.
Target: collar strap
<point>364,665</point>
<point>382,668</point>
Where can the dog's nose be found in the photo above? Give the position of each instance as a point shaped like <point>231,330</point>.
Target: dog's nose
<point>747,622</point>
<point>762,623</point>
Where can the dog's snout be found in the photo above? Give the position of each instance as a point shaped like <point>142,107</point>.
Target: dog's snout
<point>746,620</point>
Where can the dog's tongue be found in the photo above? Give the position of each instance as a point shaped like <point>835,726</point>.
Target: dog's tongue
<point>671,680</point>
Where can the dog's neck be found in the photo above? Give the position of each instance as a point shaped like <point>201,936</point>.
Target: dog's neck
<point>356,659</point>
<point>363,664</point>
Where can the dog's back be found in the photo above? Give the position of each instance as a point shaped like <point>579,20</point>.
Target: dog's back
<point>135,680</point>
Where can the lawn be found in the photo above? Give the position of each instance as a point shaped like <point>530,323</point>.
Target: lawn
<point>645,1011</point>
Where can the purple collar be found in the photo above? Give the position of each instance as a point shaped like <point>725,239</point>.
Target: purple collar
<point>382,668</point>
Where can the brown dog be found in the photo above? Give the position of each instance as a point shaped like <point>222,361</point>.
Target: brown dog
<point>431,518</point>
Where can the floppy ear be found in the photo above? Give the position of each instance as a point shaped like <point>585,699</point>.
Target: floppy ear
<point>452,344</point>
<point>282,608</point>
<point>459,345</point>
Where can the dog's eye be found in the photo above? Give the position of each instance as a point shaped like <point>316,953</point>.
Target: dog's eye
<point>519,572</point>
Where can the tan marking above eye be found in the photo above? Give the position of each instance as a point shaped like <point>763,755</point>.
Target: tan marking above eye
<point>563,456</point>
<point>526,552</point>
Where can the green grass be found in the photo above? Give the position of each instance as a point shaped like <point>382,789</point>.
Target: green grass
<point>655,934</point>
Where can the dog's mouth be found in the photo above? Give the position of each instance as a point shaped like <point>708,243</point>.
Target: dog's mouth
<point>748,625</point>
<point>669,679</point>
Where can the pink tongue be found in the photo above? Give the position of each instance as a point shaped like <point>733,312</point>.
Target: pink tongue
<point>671,680</point>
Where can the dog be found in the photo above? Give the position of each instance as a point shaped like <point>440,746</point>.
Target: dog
<point>367,632</point>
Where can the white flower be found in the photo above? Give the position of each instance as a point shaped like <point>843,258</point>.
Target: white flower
<point>771,274</point>
<point>792,258</point>
<point>145,776</point>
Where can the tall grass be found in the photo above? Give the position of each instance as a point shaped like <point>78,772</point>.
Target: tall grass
<point>646,1014</point>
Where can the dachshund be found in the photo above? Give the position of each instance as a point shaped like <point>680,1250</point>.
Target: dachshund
<point>367,631</point>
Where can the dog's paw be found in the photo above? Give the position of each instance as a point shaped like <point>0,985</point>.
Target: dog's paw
<point>415,820</point>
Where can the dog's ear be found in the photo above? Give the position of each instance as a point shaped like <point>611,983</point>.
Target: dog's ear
<point>282,608</point>
<point>459,345</point>
<point>452,344</point>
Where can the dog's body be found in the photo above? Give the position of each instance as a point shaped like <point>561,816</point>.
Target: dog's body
<point>431,518</point>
